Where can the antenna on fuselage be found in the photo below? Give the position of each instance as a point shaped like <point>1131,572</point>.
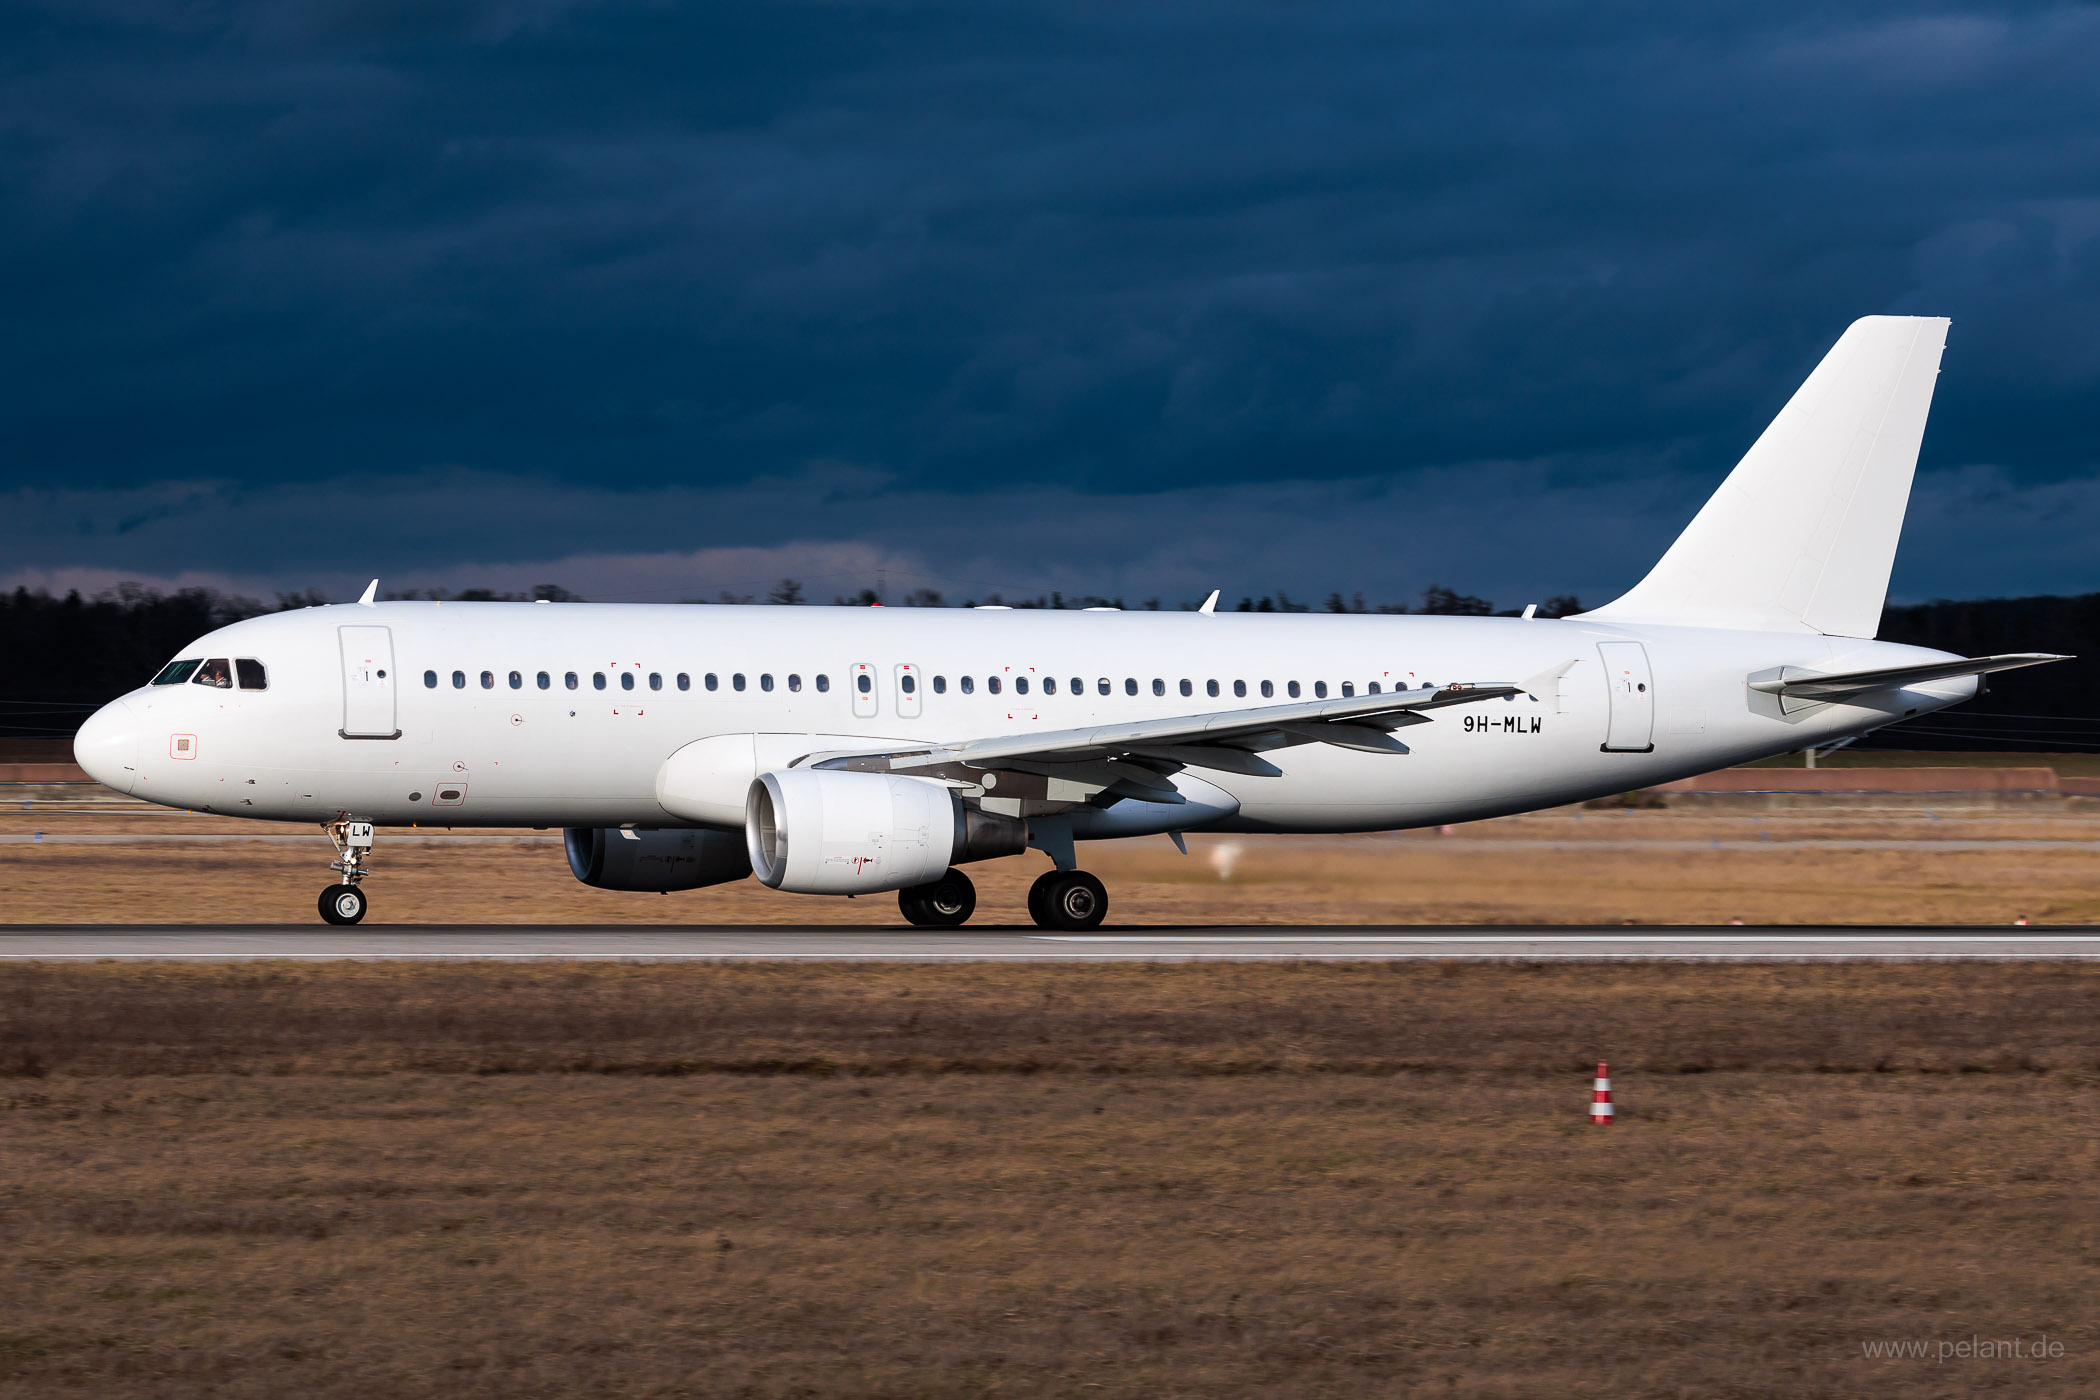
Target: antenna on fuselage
<point>370,594</point>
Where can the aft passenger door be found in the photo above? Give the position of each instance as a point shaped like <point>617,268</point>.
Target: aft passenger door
<point>1632,725</point>
<point>368,683</point>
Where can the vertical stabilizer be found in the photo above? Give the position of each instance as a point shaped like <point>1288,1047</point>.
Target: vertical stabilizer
<point>1802,534</point>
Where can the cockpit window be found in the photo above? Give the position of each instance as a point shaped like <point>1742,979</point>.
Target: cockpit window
<point>177,672</point>
<point>251,672</point>
<point>216,672</point>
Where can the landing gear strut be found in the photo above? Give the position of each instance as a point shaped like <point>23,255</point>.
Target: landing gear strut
<point>345,903</point>
<point>1071,900</point>
<point>946,903</point>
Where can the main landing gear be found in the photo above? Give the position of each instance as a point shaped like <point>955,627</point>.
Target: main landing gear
<point>1069,900</point>
<point>946,903</point>
<point>345,903</point>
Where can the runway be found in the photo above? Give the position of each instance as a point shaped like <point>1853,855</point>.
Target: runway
<point>298,942</point>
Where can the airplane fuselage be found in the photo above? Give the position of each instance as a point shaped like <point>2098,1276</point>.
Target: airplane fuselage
<point>562,715</point>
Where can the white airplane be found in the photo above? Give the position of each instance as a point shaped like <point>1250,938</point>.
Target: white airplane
<point>846,751</point>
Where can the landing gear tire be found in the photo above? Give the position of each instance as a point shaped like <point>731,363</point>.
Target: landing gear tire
<point>946,903</point>
<point>1037,909</point>
<point>342,904</point>
<point>1069,900</point>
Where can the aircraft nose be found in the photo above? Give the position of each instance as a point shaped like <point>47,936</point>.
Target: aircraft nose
<point>107,746</point>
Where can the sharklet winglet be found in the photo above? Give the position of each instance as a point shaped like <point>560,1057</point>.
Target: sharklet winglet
<point>370,596</point>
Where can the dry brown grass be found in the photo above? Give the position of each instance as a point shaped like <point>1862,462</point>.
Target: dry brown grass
<point>1346,1180</point>
<point>1626,866</point>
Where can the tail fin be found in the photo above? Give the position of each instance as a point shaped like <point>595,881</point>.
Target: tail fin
<point>1802,534</point>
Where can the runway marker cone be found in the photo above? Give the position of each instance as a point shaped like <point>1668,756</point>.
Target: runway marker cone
<point>1600,1097</point>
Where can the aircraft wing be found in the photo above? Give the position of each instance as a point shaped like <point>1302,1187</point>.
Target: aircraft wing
<point>1810,688</point>
<point>1227,740</point>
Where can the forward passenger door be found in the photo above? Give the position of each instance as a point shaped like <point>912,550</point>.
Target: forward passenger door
<point>368,683</point>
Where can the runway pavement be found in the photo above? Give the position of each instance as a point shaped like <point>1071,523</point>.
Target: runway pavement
<point>74,942</point>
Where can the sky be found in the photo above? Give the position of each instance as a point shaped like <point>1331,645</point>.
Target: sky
<point>653,301</point>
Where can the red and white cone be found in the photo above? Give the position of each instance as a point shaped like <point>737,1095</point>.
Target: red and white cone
<point>1600,1096</point>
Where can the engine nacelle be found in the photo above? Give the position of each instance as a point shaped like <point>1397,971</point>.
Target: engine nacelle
<point>655,861</point>
<point>832,831</point>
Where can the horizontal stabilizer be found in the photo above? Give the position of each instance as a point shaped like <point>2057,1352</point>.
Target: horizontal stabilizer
<point>1792,683</point>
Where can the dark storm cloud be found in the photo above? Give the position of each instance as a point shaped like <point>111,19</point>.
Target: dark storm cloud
<point>1140,266</point>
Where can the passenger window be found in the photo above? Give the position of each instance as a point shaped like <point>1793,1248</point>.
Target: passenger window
<point>1187,689</point>
<point>1239,689</point>
<point>459,680</point>
<point>251,674</point>
<point>736,682</point>
<point>1348,688</point>
<point>177,672</point>
<point>992,684</point>
<point>1210,688</point>
<point>968,684</point>
<point>656,680</point>
<point>1130,685</point>
<point>823,684</point>
<point>1020,685</point>
<point>1049,685</point>
<point>1159,687</point>
<point>908,684</point>
<point>1371,689</point>
<point>597,680</point>
<point>1102,685</point>
<point>626,680</point>
<point>216,673</point>
<point>1292,688</point>
<point>1320,690</point>
<point>864,684</point>
<point>430,680</point>
<point>765,681</point>
<point>794,681</point>
<point>544,680</point>
<point>569,679</point>
<point>940,685</point>
<point>517,680</point>
<point>711,682</point>
<point>685,682</point>
<point>488,680</point>
<point>1268,690</point>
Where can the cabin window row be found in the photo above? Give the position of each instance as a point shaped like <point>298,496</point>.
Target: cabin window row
<point>1105,686</point>
<point>627,680</point>
<point>994,685</point>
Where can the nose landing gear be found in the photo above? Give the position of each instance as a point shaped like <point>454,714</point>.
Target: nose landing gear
<point>1069,900</point>
<point>345,903</point>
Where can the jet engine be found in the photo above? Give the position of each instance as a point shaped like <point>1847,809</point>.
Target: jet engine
<point>622,858</point>
<point>832,831</point>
